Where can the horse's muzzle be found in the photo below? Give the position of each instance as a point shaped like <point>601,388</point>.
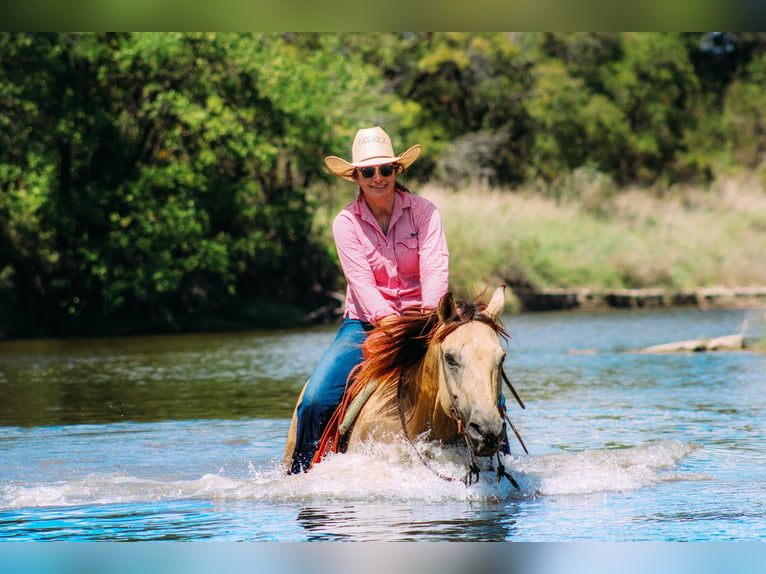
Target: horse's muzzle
<point>484,438</point>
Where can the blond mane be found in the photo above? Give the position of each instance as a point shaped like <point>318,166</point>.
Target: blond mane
<point>400,345</point>
<point>394,352</point>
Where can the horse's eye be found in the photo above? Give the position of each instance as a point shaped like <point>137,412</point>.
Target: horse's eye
<point>451,361</point>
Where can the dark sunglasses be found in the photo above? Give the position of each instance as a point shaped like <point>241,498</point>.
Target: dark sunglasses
<point>385,170</point>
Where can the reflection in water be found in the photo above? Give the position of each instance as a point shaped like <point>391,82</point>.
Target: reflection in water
<point>129,523</point>
<point>392,522</point>
<point>214,376</point>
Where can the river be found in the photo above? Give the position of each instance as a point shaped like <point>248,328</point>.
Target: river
<point>168,438</point>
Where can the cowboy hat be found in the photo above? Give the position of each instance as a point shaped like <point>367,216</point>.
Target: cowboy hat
<point>371,147</point>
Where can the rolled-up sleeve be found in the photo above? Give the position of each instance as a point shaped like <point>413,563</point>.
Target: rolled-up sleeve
<point>434,254</point>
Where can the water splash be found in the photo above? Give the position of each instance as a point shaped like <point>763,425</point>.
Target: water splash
<point>384,472</point>
<point>604,470</point>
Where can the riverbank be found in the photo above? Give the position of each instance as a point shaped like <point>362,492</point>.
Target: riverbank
<point>706,298</point>
<point>595,246</point>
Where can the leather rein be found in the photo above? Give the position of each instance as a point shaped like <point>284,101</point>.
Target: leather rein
<point>473,467</point>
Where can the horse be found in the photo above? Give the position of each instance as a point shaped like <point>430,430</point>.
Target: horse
<point>427,373</point>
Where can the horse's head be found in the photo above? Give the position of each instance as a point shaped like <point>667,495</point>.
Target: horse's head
<point>470,359</point>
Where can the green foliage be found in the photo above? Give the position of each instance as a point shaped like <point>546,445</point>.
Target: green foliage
<point>693,237</point>
<point>622,103</point>
<point>654,85</point>
<point>575,126</point>
<point>156,175</point>
<point>454,84</point>
<point>745,115</point>
<point>155,179</point>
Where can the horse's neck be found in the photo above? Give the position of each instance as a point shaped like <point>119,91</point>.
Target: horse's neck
<point>426,404</point>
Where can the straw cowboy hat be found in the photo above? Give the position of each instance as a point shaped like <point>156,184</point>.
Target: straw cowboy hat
<point>371,147</point>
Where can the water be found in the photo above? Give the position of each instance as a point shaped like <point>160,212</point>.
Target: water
<point>181,438</point>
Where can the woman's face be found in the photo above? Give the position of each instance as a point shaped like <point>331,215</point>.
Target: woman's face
<point>377,185</point>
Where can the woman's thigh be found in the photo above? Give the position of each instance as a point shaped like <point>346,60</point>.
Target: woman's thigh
<point>328,381</point>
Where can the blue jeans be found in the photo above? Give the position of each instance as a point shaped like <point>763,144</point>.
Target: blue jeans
<point>324,390</point>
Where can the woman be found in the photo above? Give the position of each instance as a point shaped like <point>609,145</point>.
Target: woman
<point>393,253</point>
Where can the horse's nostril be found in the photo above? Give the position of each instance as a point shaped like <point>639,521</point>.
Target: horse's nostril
<point>483,439</point>
<point>478,433</point>
<point>481,430</point>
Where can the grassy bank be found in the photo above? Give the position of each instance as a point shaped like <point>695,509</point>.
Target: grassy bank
<point>593,236</point>
<point>599,238</point>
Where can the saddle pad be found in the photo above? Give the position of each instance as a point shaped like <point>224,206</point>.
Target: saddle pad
<point>356,405</point>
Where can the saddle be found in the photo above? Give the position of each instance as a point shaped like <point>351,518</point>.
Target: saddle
<point>342,420</point>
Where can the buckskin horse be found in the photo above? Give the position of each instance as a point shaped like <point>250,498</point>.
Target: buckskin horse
<point>434,373</point>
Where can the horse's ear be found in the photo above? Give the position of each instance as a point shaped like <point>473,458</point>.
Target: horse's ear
<point>495,307</point>
<point>447,310</point>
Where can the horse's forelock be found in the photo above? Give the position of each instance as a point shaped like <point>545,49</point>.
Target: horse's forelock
<point>468,311</point>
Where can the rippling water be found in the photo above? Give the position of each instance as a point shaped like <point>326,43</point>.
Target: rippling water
<point>181,438</point>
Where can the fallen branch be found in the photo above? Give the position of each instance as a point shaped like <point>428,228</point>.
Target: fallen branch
<point>725,343</point>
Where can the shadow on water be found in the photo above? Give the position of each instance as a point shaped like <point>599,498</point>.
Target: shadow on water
<point>146,379</point>
<point>169,521</point>
<point>392,522</point>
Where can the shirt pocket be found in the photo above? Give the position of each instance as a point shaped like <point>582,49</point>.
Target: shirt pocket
<point>408,258</point>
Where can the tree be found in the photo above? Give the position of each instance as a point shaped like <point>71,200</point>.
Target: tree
<point>621,103</point>
<point>154,177</point>
<point>574,126</point>
<point>455,85</point>
<point>655,87</point>
<point>744,115</point>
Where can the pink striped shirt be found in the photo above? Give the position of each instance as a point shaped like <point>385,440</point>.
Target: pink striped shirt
<point>387,273</point>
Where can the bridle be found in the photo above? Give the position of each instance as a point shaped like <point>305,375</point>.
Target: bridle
<point>473,467</point>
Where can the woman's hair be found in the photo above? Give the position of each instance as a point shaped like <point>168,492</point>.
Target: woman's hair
<point>400,186</point>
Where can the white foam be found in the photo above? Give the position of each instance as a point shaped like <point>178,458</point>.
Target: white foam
<point>382,472</point>
<point>112,488</point>
<point>602,470</point>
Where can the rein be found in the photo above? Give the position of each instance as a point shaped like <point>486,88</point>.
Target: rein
<point>473,468</point>
<point>399,386</point>
<point>521,404</point>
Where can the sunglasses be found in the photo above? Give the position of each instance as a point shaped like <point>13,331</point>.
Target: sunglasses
<point>385,170</point>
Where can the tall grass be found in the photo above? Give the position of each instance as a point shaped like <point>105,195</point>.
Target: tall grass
<point>591,235</point>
